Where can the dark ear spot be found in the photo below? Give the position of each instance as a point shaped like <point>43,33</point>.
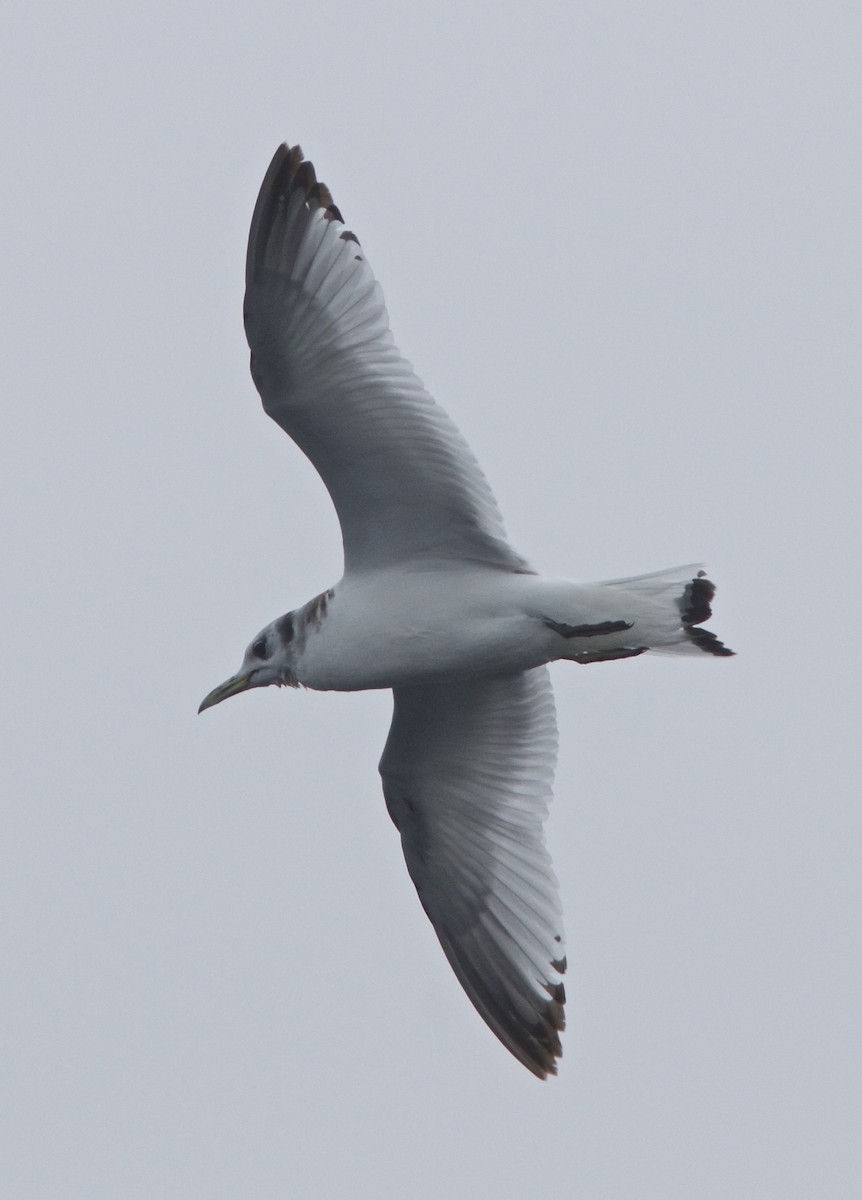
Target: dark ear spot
<point>258,648</point>
<point>285,628</point>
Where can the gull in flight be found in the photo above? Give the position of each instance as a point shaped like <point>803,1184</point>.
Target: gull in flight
<point>435,604</point>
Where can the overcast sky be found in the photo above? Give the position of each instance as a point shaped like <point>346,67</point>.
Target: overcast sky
<point>620,243</point>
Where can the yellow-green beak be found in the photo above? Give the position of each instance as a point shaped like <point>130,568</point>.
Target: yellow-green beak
<point>234,685</point>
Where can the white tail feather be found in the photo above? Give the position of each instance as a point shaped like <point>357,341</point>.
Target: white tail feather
<point>662,611</point>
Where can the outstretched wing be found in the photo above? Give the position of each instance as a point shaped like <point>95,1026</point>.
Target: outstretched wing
<point>467,774</point>
<point>403,480</point>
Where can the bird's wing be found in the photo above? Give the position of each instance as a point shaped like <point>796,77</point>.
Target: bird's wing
<point>402,478</point>
<point>467,774</point>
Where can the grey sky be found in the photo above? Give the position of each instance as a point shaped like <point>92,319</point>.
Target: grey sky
<point>620,243</point>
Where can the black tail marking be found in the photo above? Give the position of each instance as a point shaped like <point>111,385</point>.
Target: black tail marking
<point>696,600</point>
<point>696,607</point>
<point>707,641</point>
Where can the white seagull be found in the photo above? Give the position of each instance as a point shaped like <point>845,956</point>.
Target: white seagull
<point>435,604</point>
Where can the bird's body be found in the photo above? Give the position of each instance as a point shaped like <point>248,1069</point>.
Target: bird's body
<point>421,623</point>
<point>403,626</point>
<point>435,604</point>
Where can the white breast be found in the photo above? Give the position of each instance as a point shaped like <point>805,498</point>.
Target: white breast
<point>394,628</point>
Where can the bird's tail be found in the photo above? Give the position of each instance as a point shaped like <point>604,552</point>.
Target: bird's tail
<point>620,618</point>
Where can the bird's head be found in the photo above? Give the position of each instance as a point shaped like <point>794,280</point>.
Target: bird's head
<point>269,659</point>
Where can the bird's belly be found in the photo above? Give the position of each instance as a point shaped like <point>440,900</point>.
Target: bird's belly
<point>394,644</point>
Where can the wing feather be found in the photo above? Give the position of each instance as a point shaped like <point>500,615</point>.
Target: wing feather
<point>404,482</point>
<point>467,774</point>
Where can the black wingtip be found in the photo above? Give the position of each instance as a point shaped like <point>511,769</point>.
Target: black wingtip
<point>542,1050</point>
<point>289,172</point>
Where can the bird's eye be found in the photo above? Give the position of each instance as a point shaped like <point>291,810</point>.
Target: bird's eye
<point>259,648</point>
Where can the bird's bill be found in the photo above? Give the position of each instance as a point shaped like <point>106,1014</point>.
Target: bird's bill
<point>232,687</point>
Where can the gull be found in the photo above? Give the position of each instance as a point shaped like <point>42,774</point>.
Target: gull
<point>435,604</point>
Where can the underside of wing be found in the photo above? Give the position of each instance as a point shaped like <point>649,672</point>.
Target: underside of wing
<point>467,774</point>
<point>403,480</point>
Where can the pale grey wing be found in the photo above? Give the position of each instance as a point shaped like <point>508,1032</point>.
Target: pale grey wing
<point>467,774</point>
<point>404,482</point>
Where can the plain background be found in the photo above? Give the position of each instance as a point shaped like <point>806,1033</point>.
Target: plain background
<point>620,242</point>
